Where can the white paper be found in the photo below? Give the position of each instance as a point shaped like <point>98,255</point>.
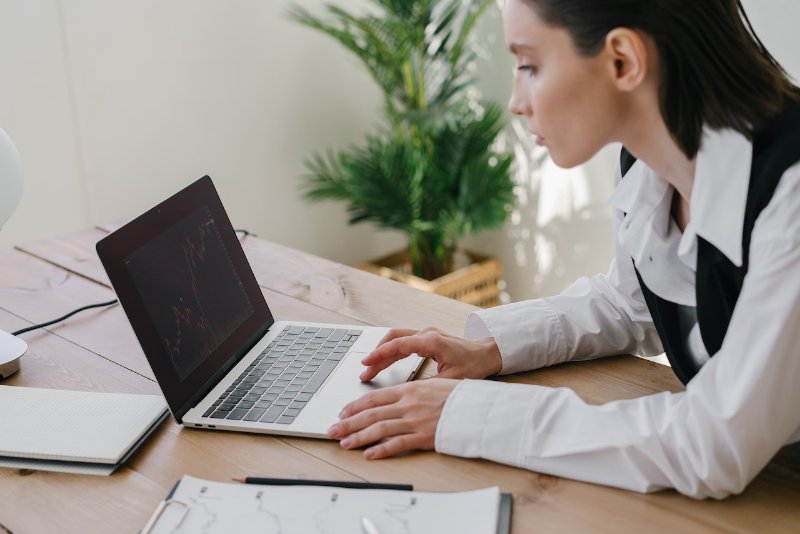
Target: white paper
<point>76,468</point>
<point>217,507</point>
<point>85,426</point>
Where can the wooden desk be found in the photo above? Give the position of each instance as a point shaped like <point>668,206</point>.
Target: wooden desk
<point>97,351</point>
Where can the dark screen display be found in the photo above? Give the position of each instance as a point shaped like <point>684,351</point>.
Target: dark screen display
<point>191,290</point>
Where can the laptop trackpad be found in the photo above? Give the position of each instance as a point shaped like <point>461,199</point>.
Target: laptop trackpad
<point>395,374</point>
<point>344,385</point>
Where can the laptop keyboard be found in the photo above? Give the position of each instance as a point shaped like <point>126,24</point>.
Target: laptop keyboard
<point>278,384</point>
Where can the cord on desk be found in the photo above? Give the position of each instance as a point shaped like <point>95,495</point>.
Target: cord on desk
<point>67,316</point>
<point>100,305</point>
<point>245,232</point>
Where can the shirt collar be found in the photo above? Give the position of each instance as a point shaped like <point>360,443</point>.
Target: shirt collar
<point>719,193</point>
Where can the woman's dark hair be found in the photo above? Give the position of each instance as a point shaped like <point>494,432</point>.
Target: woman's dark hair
<point>715,70</point>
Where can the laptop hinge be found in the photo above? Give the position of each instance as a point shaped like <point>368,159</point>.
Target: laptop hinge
<point>212,382</point>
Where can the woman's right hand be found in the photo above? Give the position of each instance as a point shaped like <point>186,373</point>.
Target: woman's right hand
<point>455,357</point>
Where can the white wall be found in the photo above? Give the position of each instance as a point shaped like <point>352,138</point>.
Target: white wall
<point>116,104</point>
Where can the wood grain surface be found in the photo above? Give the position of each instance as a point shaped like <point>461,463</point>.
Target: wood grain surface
<point>97,351</point>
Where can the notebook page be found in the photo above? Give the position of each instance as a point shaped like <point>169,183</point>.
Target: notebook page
<point>66,425</point>
<point>217,507</point>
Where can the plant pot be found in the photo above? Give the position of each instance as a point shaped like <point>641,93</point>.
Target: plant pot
<point>477,282</point>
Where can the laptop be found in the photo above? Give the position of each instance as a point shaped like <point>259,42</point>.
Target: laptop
<point>221,359</point>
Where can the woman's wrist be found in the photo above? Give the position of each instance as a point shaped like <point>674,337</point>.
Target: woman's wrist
<point>495,358</point>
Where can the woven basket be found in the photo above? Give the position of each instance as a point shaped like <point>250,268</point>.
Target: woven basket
<point>478,283</point>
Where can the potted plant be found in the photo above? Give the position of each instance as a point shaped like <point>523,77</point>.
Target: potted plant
<point>430,171</point>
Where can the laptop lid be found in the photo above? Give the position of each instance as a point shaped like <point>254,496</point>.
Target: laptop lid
<point>187,288</point>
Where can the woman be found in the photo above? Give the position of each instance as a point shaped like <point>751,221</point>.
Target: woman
<point>707,268</point>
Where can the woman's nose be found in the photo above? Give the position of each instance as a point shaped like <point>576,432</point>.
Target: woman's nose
<point>516,104</point>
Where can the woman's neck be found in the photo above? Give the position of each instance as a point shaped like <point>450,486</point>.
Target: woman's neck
<point>650,141</point>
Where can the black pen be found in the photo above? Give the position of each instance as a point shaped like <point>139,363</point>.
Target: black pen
<point>331,483</point>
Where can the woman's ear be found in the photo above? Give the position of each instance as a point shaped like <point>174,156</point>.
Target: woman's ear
<point>628,58</point>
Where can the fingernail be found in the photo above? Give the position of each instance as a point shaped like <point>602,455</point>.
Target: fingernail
<point>369,454</point>
<point>346,442</point>
<point>343,413</point>
<point>362,375</point>
<point>333,431</point>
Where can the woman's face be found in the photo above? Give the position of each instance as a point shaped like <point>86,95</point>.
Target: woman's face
<point>567,99</point>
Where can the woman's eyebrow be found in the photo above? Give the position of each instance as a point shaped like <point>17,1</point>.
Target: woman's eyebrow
<point>516,48</point>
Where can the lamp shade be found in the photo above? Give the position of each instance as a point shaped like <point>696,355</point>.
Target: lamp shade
<point>10,177</point>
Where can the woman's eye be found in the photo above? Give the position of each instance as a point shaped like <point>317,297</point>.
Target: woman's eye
<point>530,69</point>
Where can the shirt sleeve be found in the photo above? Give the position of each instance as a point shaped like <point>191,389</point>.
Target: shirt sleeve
<point>709,441</point>
<point>598,316</point>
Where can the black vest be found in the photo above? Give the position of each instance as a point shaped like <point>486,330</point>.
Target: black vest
<point>718,281</point>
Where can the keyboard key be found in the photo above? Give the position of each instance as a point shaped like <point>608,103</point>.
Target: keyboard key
<point>255,414</point>
<point>304,397</point>
<point>295,405</point>
<point>319,377</point>
<point>297,330</point>
<point>263,404</point>
<point>284,420</point>
<point>272,414</point>
<point>219,415</point>
<point>237,414</point>
<point>292,412</point>
<point>337,335</point>
<point>209,411</point>
<point>246,404</point>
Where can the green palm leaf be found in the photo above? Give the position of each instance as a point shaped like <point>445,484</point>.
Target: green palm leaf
<point>431,171</point>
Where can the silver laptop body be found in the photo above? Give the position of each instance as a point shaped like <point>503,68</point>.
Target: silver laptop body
<point>219,356</point>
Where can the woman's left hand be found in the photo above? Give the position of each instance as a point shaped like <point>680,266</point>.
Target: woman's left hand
<point>405,416</point>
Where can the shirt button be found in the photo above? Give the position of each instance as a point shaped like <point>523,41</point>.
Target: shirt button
<point>651,259</point>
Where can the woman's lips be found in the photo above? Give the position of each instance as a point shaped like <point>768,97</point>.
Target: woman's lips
<point>540,140</point>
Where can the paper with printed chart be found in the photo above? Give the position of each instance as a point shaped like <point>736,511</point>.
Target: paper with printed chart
<point>201,506</point>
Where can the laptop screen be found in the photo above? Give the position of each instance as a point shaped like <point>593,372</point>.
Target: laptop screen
<point>191,293</point>
<point>182,277</point>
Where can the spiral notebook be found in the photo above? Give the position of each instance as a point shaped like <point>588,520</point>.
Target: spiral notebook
<point>74,431</point>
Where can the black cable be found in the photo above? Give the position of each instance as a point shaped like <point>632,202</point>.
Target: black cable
<point>90,306</point>
<point>67,316</point>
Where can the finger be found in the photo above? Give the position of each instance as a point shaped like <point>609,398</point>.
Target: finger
<point>396,445</point>
<point>376,432</point>
<point>387,354</point>
<point>364,419</point>
<point>394,333</point>
<point>373,399</point>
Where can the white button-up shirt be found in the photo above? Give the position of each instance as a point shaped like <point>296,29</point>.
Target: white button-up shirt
<point>741,407</point>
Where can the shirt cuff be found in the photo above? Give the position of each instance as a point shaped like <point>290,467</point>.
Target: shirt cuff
<point>477,421</point>
<point>528,334</point>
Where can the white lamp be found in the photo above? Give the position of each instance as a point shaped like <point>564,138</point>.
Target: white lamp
<point>11,347</point>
